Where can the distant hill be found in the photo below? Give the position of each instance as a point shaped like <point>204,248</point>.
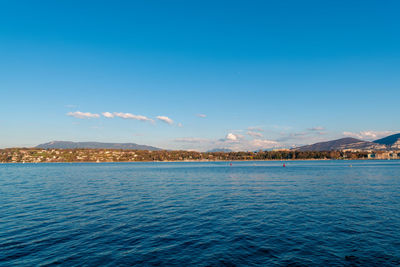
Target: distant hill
<point>226,150</point>
<point>343,144</point>
<point>392,141</point>
<point>94,145</point>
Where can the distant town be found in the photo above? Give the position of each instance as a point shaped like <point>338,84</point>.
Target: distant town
<point>35,155</point>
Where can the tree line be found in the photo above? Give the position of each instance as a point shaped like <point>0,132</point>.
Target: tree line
<point>117,155</point>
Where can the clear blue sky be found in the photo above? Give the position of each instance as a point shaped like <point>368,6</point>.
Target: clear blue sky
<point>262,73</point>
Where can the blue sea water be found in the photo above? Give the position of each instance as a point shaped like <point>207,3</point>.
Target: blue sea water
<point>309,213</point>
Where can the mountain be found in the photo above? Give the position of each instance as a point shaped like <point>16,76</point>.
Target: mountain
<point>391,141</point>
<point>94,145</point>
<point>343,144</point>
<point>226,150</point>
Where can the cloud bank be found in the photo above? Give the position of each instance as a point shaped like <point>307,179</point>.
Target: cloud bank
<point>233,141</point>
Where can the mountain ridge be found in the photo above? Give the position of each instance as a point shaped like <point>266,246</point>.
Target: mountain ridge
<point>350,143</point>
<point>391,141</point>
<point>94,145</point>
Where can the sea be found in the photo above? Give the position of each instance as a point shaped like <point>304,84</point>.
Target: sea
<point>252,213</point>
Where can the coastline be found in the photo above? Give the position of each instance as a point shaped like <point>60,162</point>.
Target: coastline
<point>26,155</point>
<point>194,161</point>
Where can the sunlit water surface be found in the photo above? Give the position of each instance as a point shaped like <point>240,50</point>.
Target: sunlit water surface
<point>201,214</point>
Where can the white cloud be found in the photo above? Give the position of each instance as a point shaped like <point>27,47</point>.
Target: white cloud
<point>108,115</point>
<point>231,137</point>
<point>368,135</point>
<point>180,125</point>
<point>201,115</point>
<point>254,134</point>
<point>263,143</point>
<point>132,116</point>
<point>251,145</point>
<point>83,115</point>
<point>165,119</point>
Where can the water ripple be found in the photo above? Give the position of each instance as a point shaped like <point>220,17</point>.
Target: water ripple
<point>200,214</point>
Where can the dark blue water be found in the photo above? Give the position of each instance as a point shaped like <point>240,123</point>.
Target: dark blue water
<point>201,214</point>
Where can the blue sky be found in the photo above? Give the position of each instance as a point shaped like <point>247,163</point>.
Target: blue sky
<point>198,74</point>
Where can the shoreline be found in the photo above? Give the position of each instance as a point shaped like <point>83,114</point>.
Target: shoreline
<point>193,161</point>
